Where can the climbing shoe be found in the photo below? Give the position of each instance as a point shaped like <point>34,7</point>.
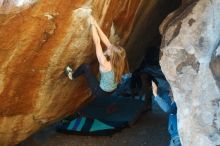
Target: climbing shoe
<point>69,72</point>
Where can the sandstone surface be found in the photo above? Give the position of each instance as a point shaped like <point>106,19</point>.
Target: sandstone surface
<point>36,42</point>
<point>38,38</point>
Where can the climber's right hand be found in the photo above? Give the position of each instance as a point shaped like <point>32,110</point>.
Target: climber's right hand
<point>91,20</point>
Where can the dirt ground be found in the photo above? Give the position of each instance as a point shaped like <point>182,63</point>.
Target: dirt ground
<point>149,130</point>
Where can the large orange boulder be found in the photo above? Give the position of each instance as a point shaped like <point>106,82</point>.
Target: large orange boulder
<point>37,40</point>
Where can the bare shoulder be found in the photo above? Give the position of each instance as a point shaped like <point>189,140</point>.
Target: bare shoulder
<point>106,66</point>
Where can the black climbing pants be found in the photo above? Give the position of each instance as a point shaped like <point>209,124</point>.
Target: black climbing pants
<point>91,79</point>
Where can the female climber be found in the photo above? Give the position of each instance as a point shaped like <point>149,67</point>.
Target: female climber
<point>112,64</point>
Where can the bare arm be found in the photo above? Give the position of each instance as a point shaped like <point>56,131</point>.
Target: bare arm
<point>154,88</point>
<point>160,101</point>
<point>102,35</point>
<point>99,52</point>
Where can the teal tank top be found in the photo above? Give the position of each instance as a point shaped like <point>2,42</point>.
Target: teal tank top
<point>107,81</point>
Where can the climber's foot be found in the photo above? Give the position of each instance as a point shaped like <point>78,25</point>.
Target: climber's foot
<point>69,72</point>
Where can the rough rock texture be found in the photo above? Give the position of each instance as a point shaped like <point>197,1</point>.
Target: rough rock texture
<point>38,38</point>
<point>14,6</point>
<point>191,63</point>
<point>36,43</point>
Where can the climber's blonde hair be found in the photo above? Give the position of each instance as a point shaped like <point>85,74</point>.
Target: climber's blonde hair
<point>118,61</point>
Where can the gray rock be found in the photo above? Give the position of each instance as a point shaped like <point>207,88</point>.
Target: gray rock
<point>191,63</point>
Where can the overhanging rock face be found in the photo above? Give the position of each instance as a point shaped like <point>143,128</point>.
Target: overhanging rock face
<point>14,6</point>
<point>190,61</point>
<point>39,37</point>
<point>36,43</point>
